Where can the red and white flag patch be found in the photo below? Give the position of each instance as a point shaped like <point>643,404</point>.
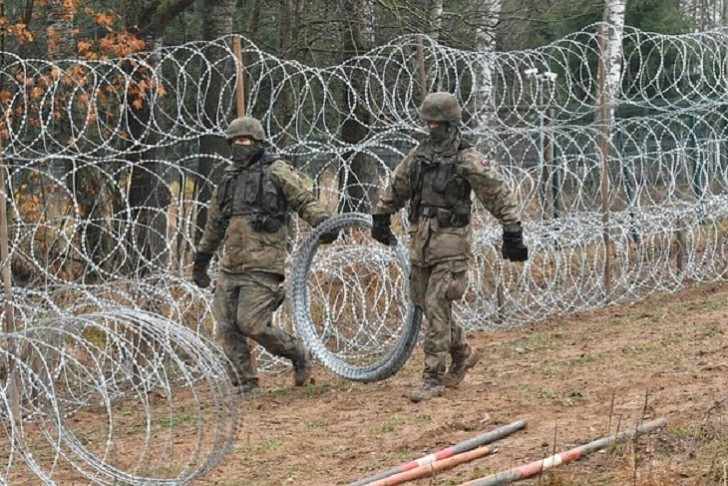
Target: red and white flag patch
<point>485,163</point>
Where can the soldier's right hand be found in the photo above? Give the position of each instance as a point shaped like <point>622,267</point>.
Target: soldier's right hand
<point>382,231</point>
<point>199,269</point>
<point>513,248</point>
<point>201,278</point>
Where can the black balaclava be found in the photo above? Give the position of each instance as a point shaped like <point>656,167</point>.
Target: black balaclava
<point>243,155</point>
<point>443,136</point>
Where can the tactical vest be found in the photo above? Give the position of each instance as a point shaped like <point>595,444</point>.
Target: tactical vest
<point>439,190</point>
<point>252,193</point>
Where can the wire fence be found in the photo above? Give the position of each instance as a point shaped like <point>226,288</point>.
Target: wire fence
<point>110,164</point>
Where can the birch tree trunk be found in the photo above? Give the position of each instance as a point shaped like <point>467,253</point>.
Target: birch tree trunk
<point>435,13</point>
<point>483,107</point>
<point>610,80</point>
<point>433,9</point>
<point>614,12</point>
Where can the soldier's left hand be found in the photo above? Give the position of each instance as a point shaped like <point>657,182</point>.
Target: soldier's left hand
<point>201,278</point>
<point>513,248</point>
<point>329,236</point>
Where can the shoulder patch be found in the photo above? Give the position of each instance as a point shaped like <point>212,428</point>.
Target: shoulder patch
<point>485,162</point>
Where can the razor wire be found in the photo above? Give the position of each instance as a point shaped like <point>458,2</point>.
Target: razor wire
<point>109,164</point>
<point>116,396</point>
<point>339,331</point>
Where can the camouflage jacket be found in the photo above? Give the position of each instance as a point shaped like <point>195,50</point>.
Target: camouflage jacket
<point>439,187</point>
<point>245,247</point>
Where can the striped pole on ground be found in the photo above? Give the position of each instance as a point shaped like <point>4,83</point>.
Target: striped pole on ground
<point>458,448</point>
<point>537,467</point>
<point>441,465</point>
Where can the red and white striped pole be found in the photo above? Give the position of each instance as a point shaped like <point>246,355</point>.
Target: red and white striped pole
<point>458,448</point>
<point>440,465</point>
<point>528,470</point>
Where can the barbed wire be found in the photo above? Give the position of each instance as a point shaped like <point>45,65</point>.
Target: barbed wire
<point>106,163</point>
<point>115,396</point>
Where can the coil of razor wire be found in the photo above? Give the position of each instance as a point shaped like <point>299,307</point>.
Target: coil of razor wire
<point>388,336</point>
<point>86,237</point>
<point>69,137</point>
<point>121,396</point>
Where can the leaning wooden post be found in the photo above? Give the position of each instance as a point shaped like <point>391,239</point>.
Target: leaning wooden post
<point>603,145</point>
<point>240,110</point>
<point>680,252</point>
<point>12,377</point>
<point>500,292</point>
<point>240,83</point>
<point>421,71</point>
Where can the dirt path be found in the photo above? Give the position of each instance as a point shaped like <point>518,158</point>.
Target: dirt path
<point>569,378</point>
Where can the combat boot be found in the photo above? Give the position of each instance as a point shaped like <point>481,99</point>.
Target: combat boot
<point>427,391</point>
<point>249,389</point>
<point>459,367</point>
<point>302,369</point>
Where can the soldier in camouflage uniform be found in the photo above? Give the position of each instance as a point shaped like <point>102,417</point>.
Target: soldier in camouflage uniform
<point>250,212</point>
<point>437,178</point>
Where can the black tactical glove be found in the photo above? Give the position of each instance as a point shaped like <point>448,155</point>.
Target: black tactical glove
<point>327,236</point>
<point>513,248</point>
<point>199,269</point>
<point>381,230</point>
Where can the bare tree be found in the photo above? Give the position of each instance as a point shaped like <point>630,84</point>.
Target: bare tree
<point>359,177</point>
<point>148,195</point>
<point>708,14</point>
<point>217,22</point>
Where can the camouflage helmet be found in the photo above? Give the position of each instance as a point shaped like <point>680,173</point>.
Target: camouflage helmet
<point>245,126</point>
<point>441,107</point>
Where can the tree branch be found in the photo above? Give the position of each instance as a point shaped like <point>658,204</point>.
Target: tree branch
<point>160,13</point>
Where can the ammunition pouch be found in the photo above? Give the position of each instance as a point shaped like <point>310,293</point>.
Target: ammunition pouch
<point>446,218</point>
<point>266,223</point>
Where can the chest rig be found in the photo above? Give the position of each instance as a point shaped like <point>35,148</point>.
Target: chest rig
<point>252,193</point>
<point>438,189</point>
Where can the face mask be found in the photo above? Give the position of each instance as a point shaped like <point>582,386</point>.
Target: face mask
<point>243,153</point>
<point>441,136</point>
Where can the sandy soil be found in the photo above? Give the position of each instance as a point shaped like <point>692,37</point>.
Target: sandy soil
<point>574,379</point>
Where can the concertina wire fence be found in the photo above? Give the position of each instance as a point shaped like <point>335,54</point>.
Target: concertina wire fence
<point>101,262</point>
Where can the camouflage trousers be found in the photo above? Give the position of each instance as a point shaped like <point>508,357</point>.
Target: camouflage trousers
<point>243,308</point>
<point>434,288</point>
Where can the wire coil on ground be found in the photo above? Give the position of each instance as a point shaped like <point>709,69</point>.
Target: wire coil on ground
<point>121,396</point>
<point>372,335</point>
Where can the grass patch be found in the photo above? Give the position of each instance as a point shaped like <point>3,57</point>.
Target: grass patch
<point>394,423</point>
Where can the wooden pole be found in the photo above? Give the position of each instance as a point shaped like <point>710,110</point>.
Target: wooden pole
<point>537,467</point>
<point>427,469</point>
<point>421,71</point>
<point>459,448</point>
<point>500,291</point>
<point>680,251</point>
<point>14,383</point>
<point>240,108</point>
<point>4,254</point>
<point>604,149</point>
<point>240,84</point>
<point>549,149</point>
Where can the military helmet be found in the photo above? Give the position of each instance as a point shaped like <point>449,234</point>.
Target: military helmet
<point>441,107</point>
<point>245,126</point>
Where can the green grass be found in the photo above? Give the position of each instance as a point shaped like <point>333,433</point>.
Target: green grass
<point>393,424</point>
<point>270,445</point>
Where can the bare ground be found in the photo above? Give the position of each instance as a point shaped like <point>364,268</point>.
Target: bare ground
<point>573,379</point>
